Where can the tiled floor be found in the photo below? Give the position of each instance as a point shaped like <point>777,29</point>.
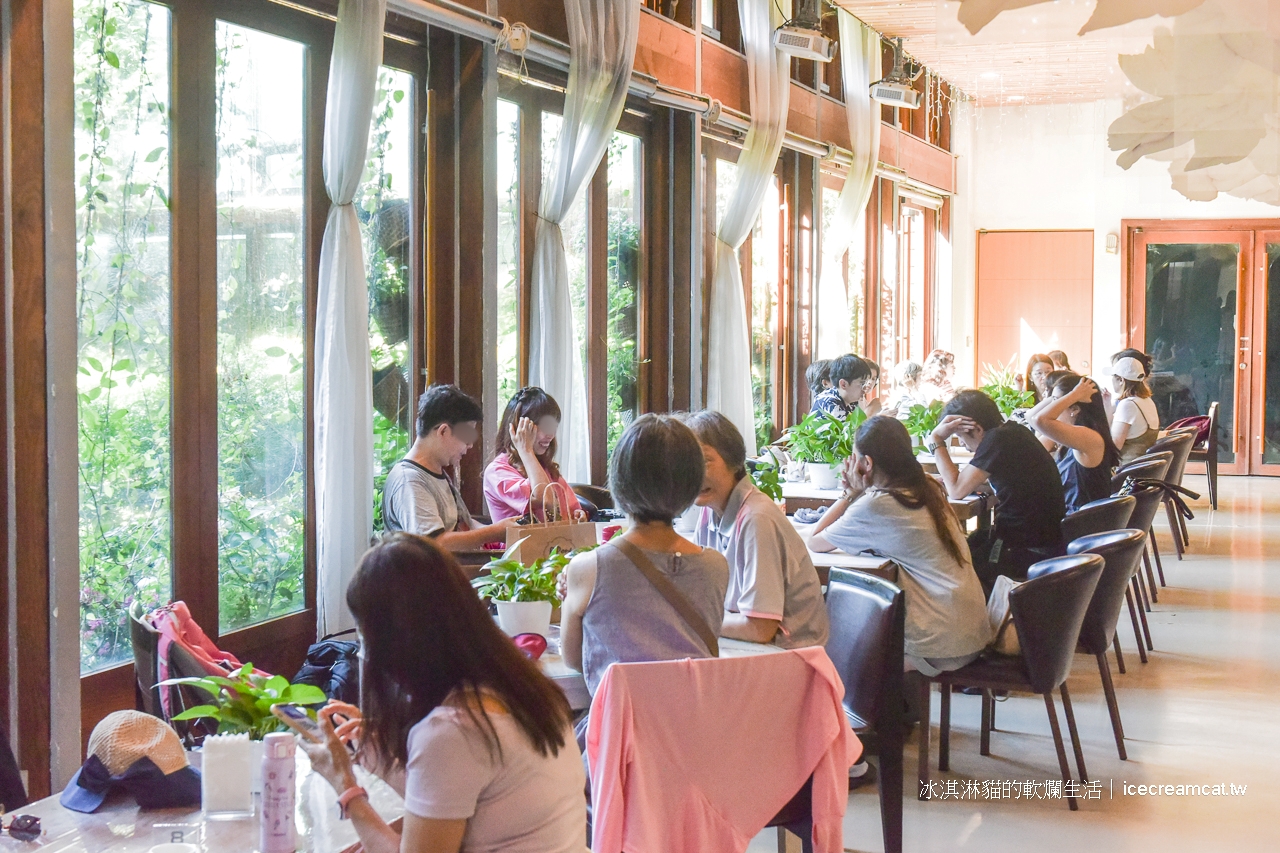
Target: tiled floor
<point>1205,710</point>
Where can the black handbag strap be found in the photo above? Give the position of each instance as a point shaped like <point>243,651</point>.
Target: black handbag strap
<point>674,596</point>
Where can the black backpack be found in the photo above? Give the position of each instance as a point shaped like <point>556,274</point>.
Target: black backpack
<point>334,667</point>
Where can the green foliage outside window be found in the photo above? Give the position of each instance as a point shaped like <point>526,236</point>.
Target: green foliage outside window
<point>122,314</point>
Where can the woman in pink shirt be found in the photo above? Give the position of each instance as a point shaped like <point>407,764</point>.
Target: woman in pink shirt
<point>523,467</point>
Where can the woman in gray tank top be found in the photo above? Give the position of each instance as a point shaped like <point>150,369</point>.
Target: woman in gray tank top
<point>612,612</point>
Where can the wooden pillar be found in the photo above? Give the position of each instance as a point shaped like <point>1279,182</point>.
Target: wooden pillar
<point>685,264</point>
<point>27,456</point>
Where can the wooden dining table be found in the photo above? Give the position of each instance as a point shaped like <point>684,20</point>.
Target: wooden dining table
<point>976,507</point>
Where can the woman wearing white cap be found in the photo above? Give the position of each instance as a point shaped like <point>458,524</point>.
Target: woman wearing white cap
<point>1136,423</point>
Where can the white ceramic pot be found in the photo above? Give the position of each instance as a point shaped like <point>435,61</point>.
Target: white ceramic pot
<point>824,476</point>
<point>524,617</point>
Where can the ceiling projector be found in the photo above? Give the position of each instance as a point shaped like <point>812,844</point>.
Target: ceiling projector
<point>895,90</point>
<point>802,36</point>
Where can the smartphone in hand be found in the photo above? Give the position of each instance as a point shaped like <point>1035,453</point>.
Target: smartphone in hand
<point>297,718</point>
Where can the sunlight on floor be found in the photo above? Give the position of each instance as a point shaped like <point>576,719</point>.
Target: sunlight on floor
<point>1203,711</point>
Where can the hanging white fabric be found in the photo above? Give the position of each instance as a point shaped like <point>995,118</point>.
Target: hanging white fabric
<point>859,67</point>
<point>343,379</point>
<point>602,49</point>
<point>769,88</point>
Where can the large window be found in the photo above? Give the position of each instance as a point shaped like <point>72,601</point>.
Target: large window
<point>507,147</point>
<point>122,313</point>
<point>194,353</point>
<point>604,242</point>
<point>765,282</point>
<point>261,293</point>
<point>626,215</point>
<point>385,207</point>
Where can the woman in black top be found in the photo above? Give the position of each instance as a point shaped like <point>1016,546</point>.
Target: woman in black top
<point>1073,416</point>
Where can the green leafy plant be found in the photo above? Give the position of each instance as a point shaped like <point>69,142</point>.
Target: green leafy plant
<point>511,580</point>
<point>765,476</point>
<point>1000,385</point>
<point>243,700</point>
<point>922,420</point>
<point>824,438</point>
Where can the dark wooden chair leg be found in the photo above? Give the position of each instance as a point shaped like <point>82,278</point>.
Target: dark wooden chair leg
<point>1146,561</point>
<point>1071,730</point>
<point>984,742</point>
<point>922,740</point>
<point>1155,550</point>
<point>1113,707</point>
<point>1142,614</point>
<point>944,728</point>
<point>891,786</point>
<point>1151,582</point>
<point>1174,530</point>
<point>1137,630</point>
<point>1211,469</point>
<point>1142,592</point>
<point>1062,752</point>
<point>1115,642</point>
<point>1186,534</point>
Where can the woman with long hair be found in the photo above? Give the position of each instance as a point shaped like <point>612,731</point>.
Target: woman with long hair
<point>1074,417</point>
<point>900,513</point>
<point>478,739</point>
<point>523,472</point>
<point>1135,426</point>
<point>1039,366</point>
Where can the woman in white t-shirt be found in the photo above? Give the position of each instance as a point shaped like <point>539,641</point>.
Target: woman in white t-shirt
<point>479,741</point>
<point>1135,426</point>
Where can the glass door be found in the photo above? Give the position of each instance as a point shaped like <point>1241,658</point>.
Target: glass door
<point>1193,314</point>
<point>1264,435</point>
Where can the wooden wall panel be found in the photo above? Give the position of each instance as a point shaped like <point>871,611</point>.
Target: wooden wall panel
<point>667,51</point>
<point>1034,293</point>
<point>803,117</point>
<point>724,75</point>
<point>835,127</point>
<point>922,162</point>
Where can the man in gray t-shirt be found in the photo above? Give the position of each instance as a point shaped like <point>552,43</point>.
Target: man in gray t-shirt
<point>419,497</point>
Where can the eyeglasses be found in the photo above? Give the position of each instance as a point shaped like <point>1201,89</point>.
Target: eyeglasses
<point>24,827</point>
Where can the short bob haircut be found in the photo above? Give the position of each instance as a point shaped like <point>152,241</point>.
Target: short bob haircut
<point>850,368</point>
<point>817,373</point>
<point>656,470</point>
<point>976,406</point>
<point>718,432</point>
<point>445,404</point>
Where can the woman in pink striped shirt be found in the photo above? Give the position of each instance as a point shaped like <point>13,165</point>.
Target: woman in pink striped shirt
<point>523,469</point>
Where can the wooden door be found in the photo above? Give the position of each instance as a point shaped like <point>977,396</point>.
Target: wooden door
<point>1034,294</point>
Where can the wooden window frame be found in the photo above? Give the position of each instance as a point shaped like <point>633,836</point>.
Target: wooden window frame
<point>652,369</point>
<point>277,644</point>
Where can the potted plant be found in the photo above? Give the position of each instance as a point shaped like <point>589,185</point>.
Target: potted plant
<point>765,475</point>
<point>824,442</point>
<point>242,701</point>
<point>921,420</point>
<point>1001,387</point>
<point>523,594</point>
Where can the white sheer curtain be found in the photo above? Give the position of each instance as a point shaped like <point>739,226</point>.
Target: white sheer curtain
<point>769,87</point>
<point>602,49</point>
<point>860,66</point>
<point>343,383</point>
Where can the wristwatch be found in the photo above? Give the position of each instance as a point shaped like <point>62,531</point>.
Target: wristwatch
<point>932,445</point>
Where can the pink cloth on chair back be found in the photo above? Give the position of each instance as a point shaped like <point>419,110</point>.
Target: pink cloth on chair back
<point>699,755</point>
<point>175,625</point>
